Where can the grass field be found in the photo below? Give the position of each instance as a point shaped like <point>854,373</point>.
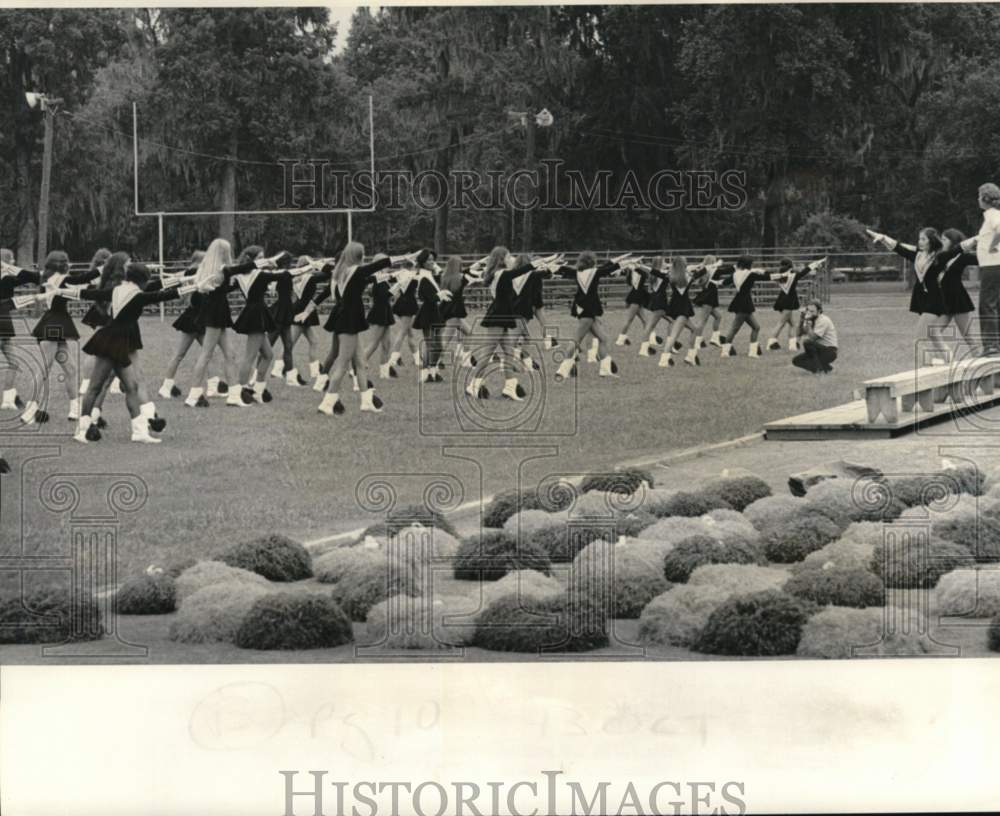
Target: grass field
<point>223,474</point>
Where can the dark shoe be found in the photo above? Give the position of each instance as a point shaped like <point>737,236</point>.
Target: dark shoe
<point>266,396</point>
<point>4,467</point>
<point>101,423</point>
<point>93,434</point>
<point>223,388</point>
<point>203,402</point>
<point>157,424</point>
<point>246,396</point>
<point>175,392</point>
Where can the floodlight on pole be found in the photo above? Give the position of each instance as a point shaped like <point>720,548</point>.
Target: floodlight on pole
<point>47,105</point>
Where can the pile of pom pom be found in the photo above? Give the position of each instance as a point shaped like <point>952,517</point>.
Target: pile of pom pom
<point>147,594</point>
<point>491,555</point>
<point>795,537</point>
<point>294,620</point>
<point>696,551</point>
<point>758,624</point>
<point>214,613</point>
<point>969,592</point>
<point>857,588</point>
<point>911,563</point>
<point>48,616</point>
<point>275,557</point>
<point>739,492</point>
<point>618,576</point>
<point>212,573</point>
<point>556,623</point>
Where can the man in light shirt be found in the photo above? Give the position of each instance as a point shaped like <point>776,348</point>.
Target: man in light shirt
<point>987,245</point>
<point>818,338</point>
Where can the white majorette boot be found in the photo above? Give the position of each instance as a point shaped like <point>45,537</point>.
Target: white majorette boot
<point>354,382</point>
<point>592,352</point>
<point>727,350</point>
<point>81,430</point>
<point>235,398</point>
<point>608,367</point>
<point>313,369</point>
<point>9,399</point>
<point>416,358</point>
<point>370,402</point>
<point>716,340</point>
<point>292,378</point>
<point>754,350</point>
<point>623,340</point>
<point>167,389</point>
<point>193,396</point>
<point>213,387</point>
<point>253,379</point>
<point>32,414</point>
<point>512,390</point>
<point>116,386</point>
<point>645,350</point>
<point>140,431</point>
<point>278,369</point>
<point>773,344</point>
<point>466,360</point>
<point>549,343</point>
<point>259,391</point>
<point>793,344</point>
<point>691,358</point>
<point>476,389</point>
<point>395,358</point>
<point>84,387</point>
<point>74,410</point>
<point>567,369</point>
<point>666,360</point>
<point>331,405</point>
<point>322,381</point>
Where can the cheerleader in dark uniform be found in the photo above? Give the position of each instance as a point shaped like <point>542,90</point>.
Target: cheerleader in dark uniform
<point>710,273</point>
<point>680,310</point>
<point>96,316</point>
<point>405,308</point>
<point>114,344</point>
<point>347,321</point>
<point>506,280</point>
<point>636,302</point>
<point>925,298</point>
<point>381,319</point>
<point>429,322</point>
<point>55,330</point>
<point>454,312</point>
<point>213,281</point>
<point>742,307</point>
<point>588,309</point>
<point>282,313</point>
<point>191,331</point>
<point>530,305</point>
<point>787,305</point>
<point>304,288</point>
<point>658,304</point>
<point>953,262</point>
<point>11,278</point>
<point>255,321</point>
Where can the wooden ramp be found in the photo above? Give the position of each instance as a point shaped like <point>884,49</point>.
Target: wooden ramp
<point>900,403</point>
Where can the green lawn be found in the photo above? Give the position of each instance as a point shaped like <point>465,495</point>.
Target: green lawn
<point>225,474</point>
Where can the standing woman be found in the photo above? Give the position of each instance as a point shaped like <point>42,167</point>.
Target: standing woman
<point>787,305</point>
<point>347,322</point>
<point>588,309</point>
<point>987,245</point>
<point>706,302</point>
<point>454,311</point>
<point>953,262</point>
<point>97,315</point>
<point>113,345</point>
<point>304,289</point>
<point>212,282</point>
<point>506,280</point>
<point>742,308</point>
<point>680,311</point>
<point>659,304</point>
<point>255,321</point>
<point>406,307</point>
<point>11,277</point>
<point>381,320</point>
<point>636,301</point>
<point>925,298</point>
<point>282,312</point>
<point>55,330</point>
<point>429,322</point>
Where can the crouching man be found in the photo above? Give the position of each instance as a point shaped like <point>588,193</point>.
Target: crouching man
<point>818,338</point>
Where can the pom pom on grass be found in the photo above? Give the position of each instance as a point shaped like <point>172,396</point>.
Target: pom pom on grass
<point>526,582</point>
<point>426,542</point>
<point>210,573</point>
<point>625,481</point>
<point>759,624</point>
<point>969,592</point>
<point>725,516</point>
<point>527,522</point>
<point>275,557</point>
<point>294,620</point>
<point>49,616</point>
<point>677,617</point>
<point>549,624</point>
<point>214,613</point>
<point>846,553</point>
<point>147,595</point>
<point>405,622</point>
<point>738,491</point>
<point>913,563</point>
<point>654,500</point>
<point>620,576</point>
<point>798,536</point>
<point>737,579</point>
<point>690,503</point>
<point>858,588</point>
<point>670,531</point>
<point>766,513</point>
<point>969,477</point>
<point>175,566</point>
<point>490,556</point>
<point>836,633</point>
<point>978,531</point>
<point>697,551</point>
<point>348,562</point>
<point>845,500</point>
<point>561,544</point>
<point>372,584</point>
<point>505,505</point>
<point>739,532</point>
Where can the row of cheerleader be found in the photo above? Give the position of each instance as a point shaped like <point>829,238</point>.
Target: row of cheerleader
<point>410,292</point>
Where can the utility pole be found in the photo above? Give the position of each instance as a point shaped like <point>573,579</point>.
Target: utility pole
<point>529,122</point>
<point>48,106</point>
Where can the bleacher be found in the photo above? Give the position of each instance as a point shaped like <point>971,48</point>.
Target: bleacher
<point>559,292</point>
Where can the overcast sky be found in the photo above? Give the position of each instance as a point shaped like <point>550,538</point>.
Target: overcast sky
<point>341,15</point>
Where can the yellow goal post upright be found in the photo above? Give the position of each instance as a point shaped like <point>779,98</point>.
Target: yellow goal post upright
<point>161,215</point>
